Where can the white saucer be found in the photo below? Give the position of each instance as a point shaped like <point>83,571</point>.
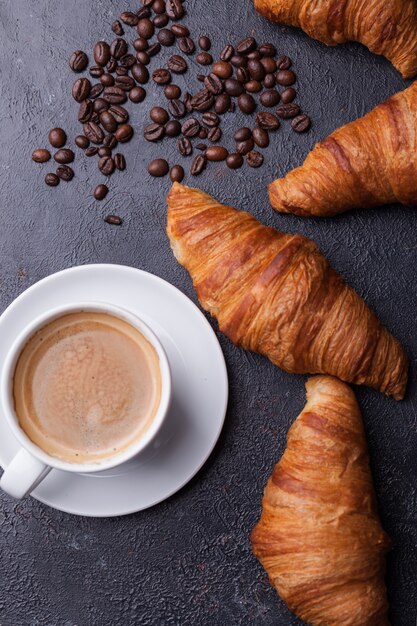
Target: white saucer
<point>200,389</point>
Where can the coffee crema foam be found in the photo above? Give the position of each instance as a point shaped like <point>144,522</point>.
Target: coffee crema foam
<point>86,386</point>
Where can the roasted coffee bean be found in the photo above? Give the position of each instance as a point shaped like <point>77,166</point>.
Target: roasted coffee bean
<point>51,179</point>
<point>301,123</point>
<point>161,76</point>
<point>125,82</point>
<point>96,90</point>
<point>143,57</point>
<point>166,37</point>
<point>160,21</point>
<point>172,92</point>
<point>106,165</point>
<point>176,174</point>
<point>184,146</point>
<point>187,102</point>
<point>243,147</point>
<point>95,118</point>
<point>64,155</point>
<point>180,30</point>
<point>174,9</point>
<point>260,137</point>
<point>267,50</point>
<point>213,84</point>
<point>234,161</point>
<point>210,119</point>
<point>269,65</point>
<point>93,132</point>
<point>255,55</point>
<point>140,44</point>
<point>222,103</point>
<point>57,137</point>
<point>65,172</point>
<point>198,165</point>
<point>269,81</point>
<point>268,121</point>
<point>144,11</point>
<point>283,62</point>
<point>114,95</point>
<point>140,73</point>
<point>222,69</point>
<point>104,151</point>
<point>246,103</point>
<point>246,45</point>
<point>100,192</point>
<point>124,133</point>
<point>107,80</point>
<point>96,71</point>
<point>203,133</point>
<point>91,151</point>
<point>173,128</point>
<point>254,159</point>
<point>227,52</point>
<point>242,75</point>
<point>270,98</point>
<point>117,28</point>
<point>145,28</point>
<point>111,66</point>
<point>114,220</point>
<point>118,48</point>
<point>154,49</point>
<point>202,100</point>
<point>137,94</point>
<point>101,53</point>
<point>129,18</point>
<point>177,108</point>
<point>191,127</point>
<point>205,43</point>
<point>201,146</point>
<point>119,162</point>
<point>177,64</point>
<point>233,87</point>
<point>158,167</point>
<point>239,60</point>
<point>128,60</point>
<point>204,58</point>
<point>78,61</point>
<point>122,71</point>
<point>288,95</point>
<point>256,70</point>
<point>286,77</point>
<point>242,134</point>
<point>159,6</point>
<point>110,141</point>
<point>85,111</point>
<point>81,89</point>
<point>159,115</point>
<point>253,86</point>
<point>187,45</point>
<point>216,153</point>
<point>154,132</point>
<point>82,142</point>
<point>119,113</point>
<point>41,155</point>
<point>214,135</point>
<point>108,122</point>
<point>288,111</point>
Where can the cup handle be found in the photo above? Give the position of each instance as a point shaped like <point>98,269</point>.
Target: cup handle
<point>23,474</point>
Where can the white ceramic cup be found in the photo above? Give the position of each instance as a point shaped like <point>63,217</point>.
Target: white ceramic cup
<point>31,464</point>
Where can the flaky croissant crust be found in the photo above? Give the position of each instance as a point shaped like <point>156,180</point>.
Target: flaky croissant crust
<point>369,162</point>
<point>319,536</point>
<point>386,27</point>
<point>276,294</point>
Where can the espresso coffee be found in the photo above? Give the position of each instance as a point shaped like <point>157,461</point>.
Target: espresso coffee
<point>86,386</point>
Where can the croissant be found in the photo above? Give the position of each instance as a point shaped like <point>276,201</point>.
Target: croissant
<point>319,536</point>
<point>276,294</point>
<point>386,27</point>
<point>369,162</point>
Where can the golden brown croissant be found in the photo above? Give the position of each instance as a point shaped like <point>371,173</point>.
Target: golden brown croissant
<point>386,27</point>
<point>369,162</point>
<point>276,294</point>
<point>319,536</point>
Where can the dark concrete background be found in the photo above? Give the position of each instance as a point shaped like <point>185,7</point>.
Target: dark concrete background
<point>188,561</point>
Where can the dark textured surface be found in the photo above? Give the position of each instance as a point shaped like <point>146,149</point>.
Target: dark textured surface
<point>188,560</point>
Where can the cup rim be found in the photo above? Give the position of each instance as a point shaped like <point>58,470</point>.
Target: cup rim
<point>7,404</point>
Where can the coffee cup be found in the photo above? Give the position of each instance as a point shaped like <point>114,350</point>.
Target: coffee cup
<point>32,462</point>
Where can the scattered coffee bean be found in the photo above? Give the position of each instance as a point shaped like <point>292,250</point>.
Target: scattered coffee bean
<point>114,220</point>
<point>254,159</point>
<point>244,147</point>
<point>177,108</point>
<point>255,55</point>
<point>127,61</point>
<point>174,9</point>
<point>214,135</point>
<point>107,80</point>
<point>256,70</point>
<point>204,58</point>
<point>176,174</point>
<point>210,119</point>
<point>100,192</point>
<point>85,111</point>
<point>96,71</point>
<point>159,6</point>
<point>110,141</point>
<point>140,44</point>
<point>41,155</point>
<point>145,28</point>
<point>96,90</point>
<point>173,128</point>
<point>106,165</point>
<point>246,45</point>
<point>239,61</point>
<point>154,49</point>
<point>268,121</point>
<point>270,98</point>
<point>124,133</point>
<point>222,69</point>
<point>267,50</point>
<point>284,62</point>
<point>187,102</point>
<point>52,179</point>
<point>243,134</point>
<point>114,95</point>
<point>234,161</point>
<point>64,156</point>
<point>57,137</point>
<point>81,89</point>
<point>201,146</point>
<point>177,64</point>
<point>222,103</point>
<point>65,172</point>
<point>242,75</point>
<point>82,142</point>
<point>286,77</point>
<point>91,151</point>
<point>203,133</point>
<point>125,82</point>
<point>187,46</point>
<point>137,94</point>
<point>143,57</point>
<point>202,100</point>
<point>204,43</point>
<point>161,76</point>
<point>260,137</point>
<point>180,30</point>
<point>301,123</point>
<point>93,132</point>
<point>288,111</point>
<point>198,165</point>
<point>253,86</point>
<point>104,151</point>
<point>233,87</point>
<point>119,113</point>
<point>172,92</point>
<point>213,84</point>
<point>153,132</point>
<point>119,162</point>
<point>269,81</point>
<point>246,103</point>
<point>117,28</point>
<point>216,153</point>
<point>269,65</point>
<point>158,167</point>
<point>108,122</point>
<point>140,73</point>
<point>118,48</point>
<point>166,37</point>
<point>101,53</point>
<point>227,52</point>
<point>129,18</point>
<point>111,65</point>
<point>144,11</point>
<point>184,146</point>
<point>122,71</point>
<point>191,127</point>
<point>288,95</point>
<point>78,62</point>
